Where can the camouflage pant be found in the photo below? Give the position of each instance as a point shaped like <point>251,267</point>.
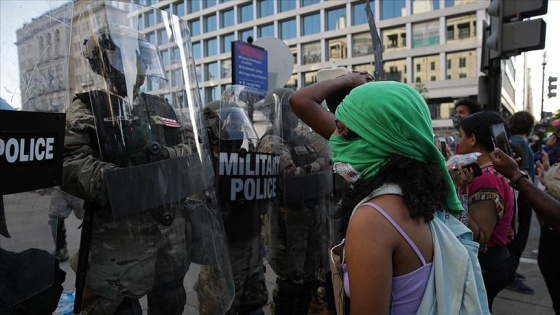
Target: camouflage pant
<point>248,274</point>
<point>131,257</point>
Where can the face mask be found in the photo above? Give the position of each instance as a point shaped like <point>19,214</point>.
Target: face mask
<point>456,121</point>
<point>346,170</point>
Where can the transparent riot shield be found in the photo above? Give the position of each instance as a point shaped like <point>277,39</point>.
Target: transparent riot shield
<point>33,76</point>
<point>305,192</point>
<point>247,182</point>
<point>137,152</point>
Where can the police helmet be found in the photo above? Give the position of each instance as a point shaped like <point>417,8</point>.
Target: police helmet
<point>108,49</point>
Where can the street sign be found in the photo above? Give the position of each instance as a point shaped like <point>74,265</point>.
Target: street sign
<point>250,65</point>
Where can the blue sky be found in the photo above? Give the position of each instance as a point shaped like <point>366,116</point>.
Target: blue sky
<point>14,13</point>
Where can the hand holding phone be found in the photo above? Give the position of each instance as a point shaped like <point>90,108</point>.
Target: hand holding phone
<point>500,138</point>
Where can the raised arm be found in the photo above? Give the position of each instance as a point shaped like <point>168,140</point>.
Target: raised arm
<point>546,207</point>
<point>306,103</point>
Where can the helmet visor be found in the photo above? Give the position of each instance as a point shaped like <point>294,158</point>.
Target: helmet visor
<point>235,125</point>
<point>132,55</point>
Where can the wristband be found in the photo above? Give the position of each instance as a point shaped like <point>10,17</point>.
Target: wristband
<point>515,179</point>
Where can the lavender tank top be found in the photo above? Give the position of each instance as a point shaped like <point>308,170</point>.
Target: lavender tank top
<point>407,290</point>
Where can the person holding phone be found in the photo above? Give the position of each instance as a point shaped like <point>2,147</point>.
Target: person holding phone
<point>490,202</point>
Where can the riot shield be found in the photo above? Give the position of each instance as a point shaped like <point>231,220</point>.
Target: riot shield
<point>246,182</point>
<point>305,191</point>
<point>31,143</point>
<point>138,154</point>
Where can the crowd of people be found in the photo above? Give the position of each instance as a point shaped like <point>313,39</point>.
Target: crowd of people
<point>157,195</point>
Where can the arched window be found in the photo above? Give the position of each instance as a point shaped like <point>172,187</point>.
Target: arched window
<point>49,45</point>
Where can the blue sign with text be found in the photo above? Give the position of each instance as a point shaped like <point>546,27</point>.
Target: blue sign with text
<point>250,65</point>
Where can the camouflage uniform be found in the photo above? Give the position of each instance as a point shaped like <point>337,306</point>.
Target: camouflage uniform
<point>298,247</point>
<point>132,256</point>
<point>243,227</point>
<point>62,204</point>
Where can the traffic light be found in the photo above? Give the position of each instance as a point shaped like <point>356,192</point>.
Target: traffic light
<point>552,86</point>
<point>509,34</point>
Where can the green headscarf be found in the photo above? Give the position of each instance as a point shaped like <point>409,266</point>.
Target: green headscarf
<point>390,118</point>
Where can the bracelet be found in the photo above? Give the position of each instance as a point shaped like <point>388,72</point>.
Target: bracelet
<point>513,182</point>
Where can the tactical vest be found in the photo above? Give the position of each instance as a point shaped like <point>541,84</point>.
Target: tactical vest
<point>135,134</point>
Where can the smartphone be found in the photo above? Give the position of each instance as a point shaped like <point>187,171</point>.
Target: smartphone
<point>500,138</point>
<point>443,148</point>
<point>474,167</point>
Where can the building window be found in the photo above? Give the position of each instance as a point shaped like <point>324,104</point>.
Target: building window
<point>226,68</point>
<point>266,30</point>
<point>246,13</point>
<point>207,3</point>
<point>292,82</point>
<point>198,70</point>
<point>194,27</point>
<point>359,13</point>
<point>393,9</point>
<point>227,18</point>
<point>287,5</point>
<point>226,42</point>
<point>287,29</point>
<point>395,70</point>
<point>425,34</point>
<point>151,37</point>
<point>427,68</point>
<point>193,6</point>
<point>422,6</point>
<point>309,2</point>
<point>338,48</point>
<point>266,8</point>
<point>210,47</point>
<point>210,23</point>
<point>461,27</point>
<point>309,78</point>
<point>394,38</point>
<point>150,18</point>
<point>245,34</point>
<point>211,71</point>
<point>177,77</point>
<point>162,36</point>
<point>212,93</point>
<point>311,24</point>
<point>311,53</point>
<point>336,19</point>
<point>362,45</point>
<point>180,9</point>
<point>451,3</point>
<point>197,50</point>
<point>464,30</point>
<point>165,57</point>
<point>463,59</point>
<point>293,49</point>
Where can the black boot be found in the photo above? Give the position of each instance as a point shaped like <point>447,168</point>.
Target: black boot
<point>129,306</point>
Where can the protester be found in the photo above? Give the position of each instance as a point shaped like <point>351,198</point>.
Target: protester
<point>464,106</point>
<point>382,144</point>
<point>490,203</point>
<point>521,125</point>
<point>551,147</point>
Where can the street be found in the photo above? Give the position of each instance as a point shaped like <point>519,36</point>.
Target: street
<point>26,216</point>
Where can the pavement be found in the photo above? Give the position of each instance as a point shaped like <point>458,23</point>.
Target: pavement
<point>26,216</point>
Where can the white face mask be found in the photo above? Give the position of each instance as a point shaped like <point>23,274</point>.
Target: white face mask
<point>346,170</point>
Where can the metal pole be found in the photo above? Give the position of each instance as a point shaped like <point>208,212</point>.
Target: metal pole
<point>542,94</point>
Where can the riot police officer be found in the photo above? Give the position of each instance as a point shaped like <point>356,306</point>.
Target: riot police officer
<point>297,226</point>
<point>242,192</point>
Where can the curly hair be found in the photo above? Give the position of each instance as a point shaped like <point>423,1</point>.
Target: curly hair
<point>473,105</point>
<point>423,185</point>
<point>521,123</point>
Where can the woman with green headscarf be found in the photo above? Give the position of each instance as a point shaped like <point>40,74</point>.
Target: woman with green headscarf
<point>382,144</point>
